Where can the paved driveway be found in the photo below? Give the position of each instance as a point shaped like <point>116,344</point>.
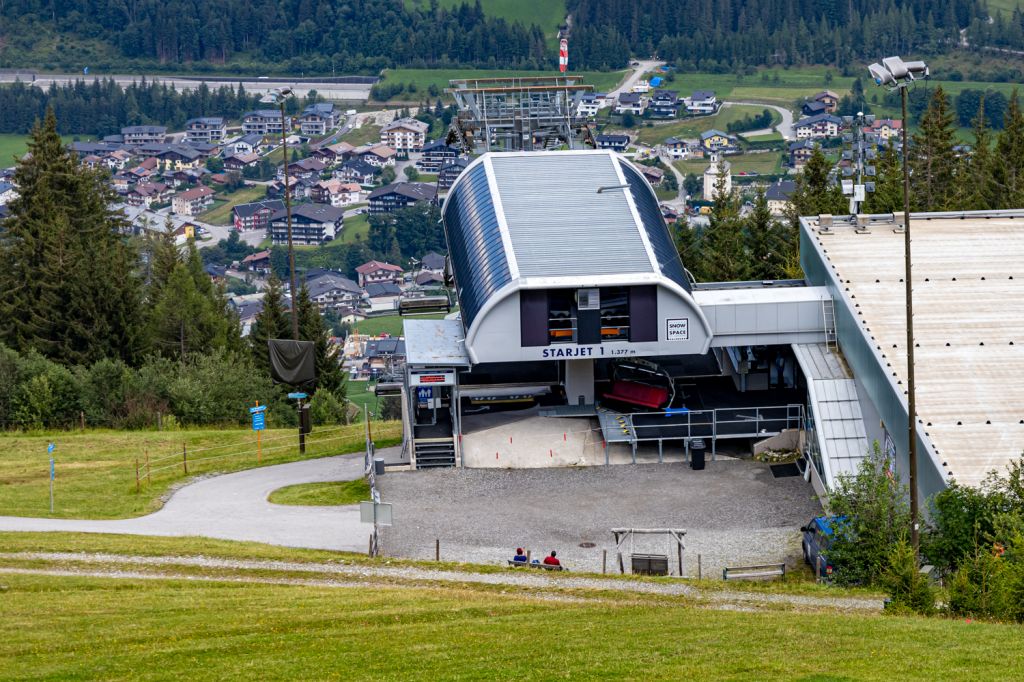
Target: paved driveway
<point>235,507</point>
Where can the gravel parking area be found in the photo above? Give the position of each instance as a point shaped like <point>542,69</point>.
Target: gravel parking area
<point>734,513</point>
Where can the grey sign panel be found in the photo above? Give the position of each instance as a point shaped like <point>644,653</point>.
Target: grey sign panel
<point>375,512</point>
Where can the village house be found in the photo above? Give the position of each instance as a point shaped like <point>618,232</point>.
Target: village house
<point>702,102</point>
<point>258,262</point>
<point>663,104</point>
<point>256,215</point>
<point>631,103</point>
<point>312,224</point>
<point>818,127</point>
<point>305,168</point>
<point>404,134</point>
<point>451,171</point>
<point>135,135</point>
<point>778,196</point>
<point>333,292</point>
<point>357,171</point>
<point>717,141</point>
<point>591,103</point>
<point>148,193</point>
<point>375,272</point>
<point>652,174</point>
<point>335,192</point>
<point>610,141</point>
<point>332,154</point>
<point>247,144</point>
<point>885,128</point>
<point>378,156</point>
<point>317,119</point>
<point>192,202</point>
<point>210,129</point>
<point>297,189</point>
<point>813,108</point>
<point>435,155</point>
<point>238,162</point>
<point>829,99</point>
<point>675,148</point>
<point>434,262</point>
<point>799,152</point>
<point>262,122</point>
<point>400,195</point>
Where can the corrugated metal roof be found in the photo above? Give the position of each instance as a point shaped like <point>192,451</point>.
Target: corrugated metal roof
<point>435,342</point>
<point>557,222</point>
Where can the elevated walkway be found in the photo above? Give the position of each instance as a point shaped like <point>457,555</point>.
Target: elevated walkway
<point>756,314</point>
<point>836,438</point>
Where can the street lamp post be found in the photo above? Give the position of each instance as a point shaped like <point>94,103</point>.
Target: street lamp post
<point>894,73</point>
<point>278,96</point>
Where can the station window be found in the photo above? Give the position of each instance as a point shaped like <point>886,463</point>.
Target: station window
<point>614,314</point>
<point>562,316</point>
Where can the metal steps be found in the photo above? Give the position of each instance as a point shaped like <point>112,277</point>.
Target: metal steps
<point>434,453</point>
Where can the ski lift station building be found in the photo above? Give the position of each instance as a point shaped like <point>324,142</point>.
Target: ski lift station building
<point>574,308</point>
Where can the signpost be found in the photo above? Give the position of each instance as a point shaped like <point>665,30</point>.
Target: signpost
<point>259,423</point>
<point>303,416</point>
<point>53,472</point>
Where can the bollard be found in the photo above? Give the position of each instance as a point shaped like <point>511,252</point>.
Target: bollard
<point>604,561</point>
<point>136,474</point>
<point>437,549</point>
<point>700,572</point>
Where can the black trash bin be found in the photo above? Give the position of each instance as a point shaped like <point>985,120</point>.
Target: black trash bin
<point>697,450</point>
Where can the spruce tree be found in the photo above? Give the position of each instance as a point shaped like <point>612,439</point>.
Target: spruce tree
<point>1008,162</point>
<point>815,192</point>
<point>974,182</point>
<point>724,257</point>
<point>689,245</point>
<point>932,160</point>
<point>271,323</point>
<point>765,242</point>
<point>312,328</point>
<point>68,279</point>
<point>888,194</point>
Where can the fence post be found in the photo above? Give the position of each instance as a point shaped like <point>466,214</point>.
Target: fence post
<point>136,474</point>
<point>159,421</point>
<point>700,571</point>
<point>184,457</point>
<point>679,550</point>
<point>148,479</point>
<point>81,419</point>
<point>437,549</point>
<point>604,561</point>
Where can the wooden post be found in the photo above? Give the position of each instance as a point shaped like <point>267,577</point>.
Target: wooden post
<point>81,419</point>
<point>700,571</point>
<point>136,474</point>
<point>159,421</point>
<point>437,549</point>
<point>604,561</point>
<point>622,566</point>
<point>148,479</point>
<point>679,549</point>
<point>184,457</point>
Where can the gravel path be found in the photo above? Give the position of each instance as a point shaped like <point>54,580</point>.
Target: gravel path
<point>734,513</point>
<point>363,573</point>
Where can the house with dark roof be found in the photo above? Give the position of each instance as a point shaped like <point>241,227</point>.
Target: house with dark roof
<point>615,142</point>
<point>206,129</point>
<point>818,126</point>
<point>799,152</point>
<point>134,135</point>
<point>262,122</point>
<point>631,103</point>
<point>247,144</point>
<point>451,171</point>
<point>332,291</point>
<point>357,171</point>
<point>435,155</point>
<point>433,262</point>
<point>237,162</point>
<point>778,196</point>
<point>702,102</point>
<point>257,262</point>
<point>312,224</point>
<point>256,215</point>
<point>829,99</point>
<point>717,141</point>
<point>305,168</point>
<point>813,108</point>
<point>400,195</point>
<point>318,118</point>
<point>664,104</point>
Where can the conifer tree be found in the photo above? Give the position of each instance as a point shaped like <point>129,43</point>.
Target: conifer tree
<point>765,242</point>
<point>68,281</point>
<point>723,255</point>
<point>312,328</point>
<point>688,244</point>
<point>974,182</point>
<point>932,160</point>
<point>815,192</point>
<point>888,194</point>
<point>273,322</point>
<point>1008,162</point>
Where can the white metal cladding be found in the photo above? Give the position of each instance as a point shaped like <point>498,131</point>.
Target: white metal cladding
<point>559,225</point>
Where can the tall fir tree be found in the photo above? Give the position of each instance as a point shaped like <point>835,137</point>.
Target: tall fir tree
<point>815,192</point>
<point>312,328</point>
<point>688,243</point>
<point>723,257</point>
<point>975,185</point>
<point>1008,161</point>
<point>272,322</point>
<point>888,194</point>
<point>931,156</point>
<point>765,240</point>
<point>69,286</point>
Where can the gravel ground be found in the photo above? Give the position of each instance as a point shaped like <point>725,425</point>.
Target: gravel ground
<point>734,513</point>
<point>120,565</point>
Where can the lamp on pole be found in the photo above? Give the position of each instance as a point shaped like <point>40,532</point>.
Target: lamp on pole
<point>897,74</point>
<point>278,96</point>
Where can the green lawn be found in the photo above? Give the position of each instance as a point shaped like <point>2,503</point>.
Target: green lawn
<point>693,127</point>
<point>766,162</point>
<point>365,134</point>
<point>355,229</point>
<point>103,628</point>
<point>96,469</point>
<point>424,78</point>
<point>13,146</point>
<point>548,14</point>
<point>389,324</point>
<point>1005,7</point>
<point>221,214</point>
<point>323,494</point>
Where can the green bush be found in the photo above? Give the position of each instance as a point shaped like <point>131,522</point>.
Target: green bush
<point>325,408</point>
<point>985,586</point>
<point>908,589</point>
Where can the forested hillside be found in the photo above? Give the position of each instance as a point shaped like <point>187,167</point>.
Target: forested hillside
<point>363,36</point>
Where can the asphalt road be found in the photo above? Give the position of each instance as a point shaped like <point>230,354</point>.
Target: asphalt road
<point>235,507</point>
<point>785,128</point>
<point>337,91</point>
<point>632,78</point>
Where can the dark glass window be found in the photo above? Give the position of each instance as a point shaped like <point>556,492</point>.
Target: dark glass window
<point>562,315</point>
<point>614,314</point>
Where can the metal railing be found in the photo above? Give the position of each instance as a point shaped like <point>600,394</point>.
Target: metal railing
<point>744,422</point>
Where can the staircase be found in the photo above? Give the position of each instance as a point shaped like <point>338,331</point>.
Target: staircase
<point>434,453</point>
<point>828,313</point>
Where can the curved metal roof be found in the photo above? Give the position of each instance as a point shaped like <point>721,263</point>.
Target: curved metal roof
<point>539,218</point>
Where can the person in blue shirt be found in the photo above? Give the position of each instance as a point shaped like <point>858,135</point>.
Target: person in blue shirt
<point>520,555</point>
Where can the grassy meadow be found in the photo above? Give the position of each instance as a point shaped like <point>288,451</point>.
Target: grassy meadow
<point>693,127</point>
<point>548,14</point>
<point>221,214</point>
<point>322,494</point>
<point>95,469</point>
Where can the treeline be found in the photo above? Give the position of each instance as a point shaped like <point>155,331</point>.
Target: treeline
<point>751,122</point>
<point>284,35</point>
<point>710,36</point>
<point>79,299</point>
<point>103,107</point>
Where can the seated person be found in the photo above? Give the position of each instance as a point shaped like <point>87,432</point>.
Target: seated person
<point>552,559</point>
<point>520,556</point>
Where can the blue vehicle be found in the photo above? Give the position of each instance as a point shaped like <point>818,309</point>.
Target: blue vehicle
<point>818,536</point>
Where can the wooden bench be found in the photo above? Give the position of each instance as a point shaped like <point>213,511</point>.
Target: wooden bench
<point>546,567</point>
<point>754,572</point>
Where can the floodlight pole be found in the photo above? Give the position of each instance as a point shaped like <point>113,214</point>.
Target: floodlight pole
<point>288,214</point>
<point>915,537</point>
